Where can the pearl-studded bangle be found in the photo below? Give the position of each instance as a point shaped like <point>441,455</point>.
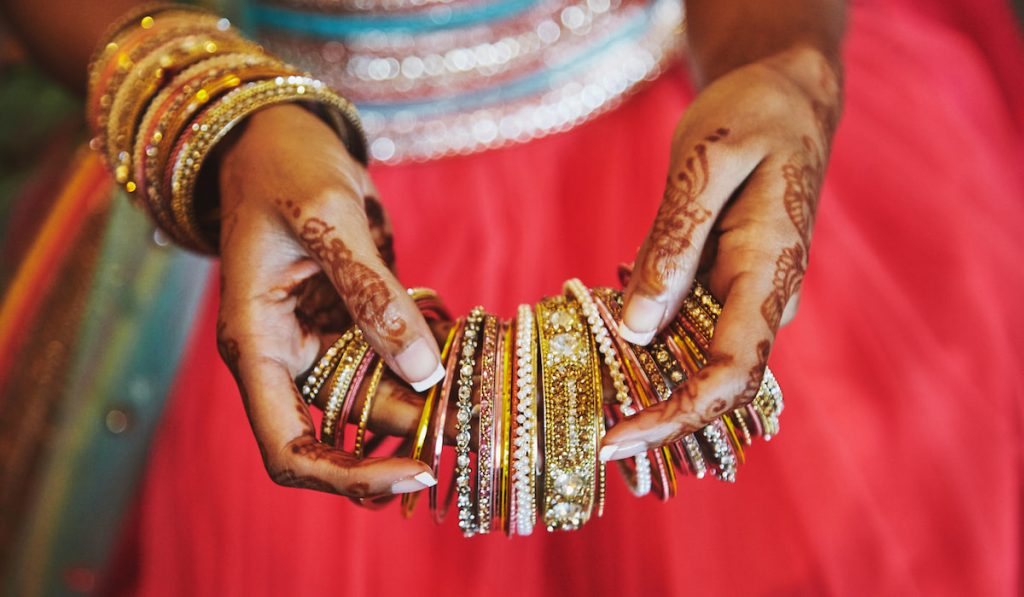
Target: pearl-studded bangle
<point>323,368</point>
<point>525,443</point>
<point>612,360</point>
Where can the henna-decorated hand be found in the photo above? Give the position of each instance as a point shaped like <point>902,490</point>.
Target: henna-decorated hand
<point>747,163</point>
<point>300,226</point>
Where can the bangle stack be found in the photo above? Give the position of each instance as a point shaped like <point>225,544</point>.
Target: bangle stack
<point>166,86</point>
<point>533,387</point>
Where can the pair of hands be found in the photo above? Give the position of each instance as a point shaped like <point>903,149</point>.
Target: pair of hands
<point>301,227</point>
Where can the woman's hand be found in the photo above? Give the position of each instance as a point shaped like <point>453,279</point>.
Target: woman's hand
<point>300,226</point>
<point>748,158</point>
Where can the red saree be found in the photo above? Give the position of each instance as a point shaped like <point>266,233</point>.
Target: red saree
<point>898,470</point>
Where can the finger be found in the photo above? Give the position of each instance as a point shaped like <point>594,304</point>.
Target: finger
<point>334,231</point>
<point>758,271</point>
<point>699,184</point>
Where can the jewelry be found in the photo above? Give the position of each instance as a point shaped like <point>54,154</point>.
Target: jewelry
<point>502,419</point>
<point>612,361</point>
<point>409,499</point>
<point>524,455</point>
<point>340,381</point>
<point>572,421</point>
<point>441,413</point>
<point>364,415</point>
<point>486,444</point>
<point>464,501</point>
<point>212,125</point>
<point>323,368</point>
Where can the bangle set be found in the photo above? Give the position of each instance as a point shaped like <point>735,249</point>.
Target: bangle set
<point>530,408</point>
<point>166,86</point>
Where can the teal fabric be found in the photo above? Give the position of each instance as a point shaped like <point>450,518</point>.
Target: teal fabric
<point>139,315</point>
<point>329,26</point>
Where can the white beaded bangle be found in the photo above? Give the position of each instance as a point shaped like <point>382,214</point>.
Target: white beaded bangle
<point>524,453</point>
<point>642,483</point>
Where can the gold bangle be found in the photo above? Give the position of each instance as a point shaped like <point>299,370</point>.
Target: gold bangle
<point>572,413</point>
<point>503,393</point>
<point>211,126</point>
<point>324,367</point>
<point>147,77</point>
<point>639,480</point>
<point>486,445</point>
<point>409,499</point>
<point>117,65</point>
<point>340,382</point>
<point>364,415</point>
<point>168,113</point>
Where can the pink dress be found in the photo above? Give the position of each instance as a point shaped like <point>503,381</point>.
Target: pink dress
<point>898,469</point>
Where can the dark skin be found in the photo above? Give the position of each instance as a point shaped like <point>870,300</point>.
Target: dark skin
<point>298,229</point>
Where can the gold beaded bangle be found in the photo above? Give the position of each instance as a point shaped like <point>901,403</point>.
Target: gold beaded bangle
<point>572,413</point>
<point>486,445</point>
<point>169,112</point>
<point>147,77</point>
<point>115,68</point>
<point>364,415</point>
<point>640,478</point>
<point>211,126</point>
<point>340,382</point>
<point>324,367</point>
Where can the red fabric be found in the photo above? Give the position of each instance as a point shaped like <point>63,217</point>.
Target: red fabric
<point>898,469</point>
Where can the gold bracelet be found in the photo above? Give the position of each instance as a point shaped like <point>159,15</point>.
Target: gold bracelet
<point>573,421</point>
<point>640,477</point>
<point>409,499</point>
<point>169,112</point>
<point>486,445</point>
<point>324,367</point>
<point>340,383</point>
<point>117,64</point>
<point>211,126</point>
<point>364,415</point>
<point>151,73</point>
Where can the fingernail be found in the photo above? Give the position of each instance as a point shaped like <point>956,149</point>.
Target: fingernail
<point>614,452</point>
<point>419,365</point>
<point>420,481</point>
<point>640,319</point>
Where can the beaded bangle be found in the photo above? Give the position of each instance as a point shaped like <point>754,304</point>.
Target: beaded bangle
<point>463,471</point>
<point>340,382</point>
<point>485,424</point>
<point>524,465</point>
<point>612,360</point>
<point>364,360</point>
<point>146,78</point>
<point>570,374</point>
<point>170,111</point>
<point>441,414</point>
<point>364,415</point>
<point>649,387</point>
<point>212,125</point>
<point>115,68</point>
<point>323,368</point>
